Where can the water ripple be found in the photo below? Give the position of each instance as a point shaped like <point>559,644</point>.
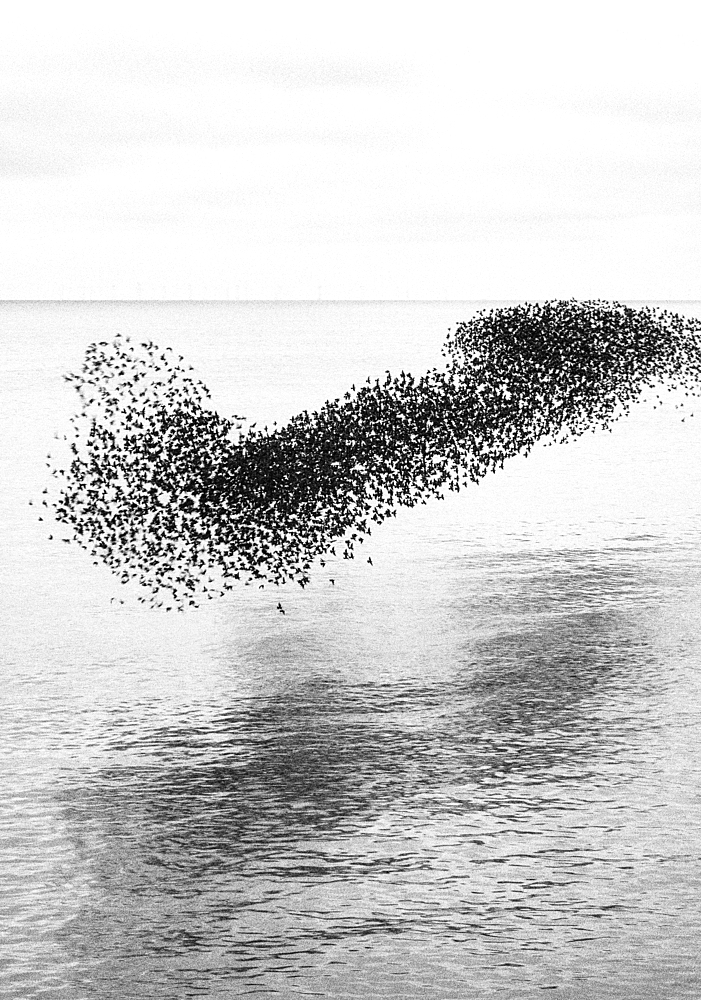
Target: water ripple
<point>520,807</point>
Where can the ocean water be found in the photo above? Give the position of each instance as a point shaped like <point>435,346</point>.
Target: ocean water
<point>469,770</point>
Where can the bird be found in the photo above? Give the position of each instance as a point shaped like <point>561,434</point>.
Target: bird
<point>280,608</point>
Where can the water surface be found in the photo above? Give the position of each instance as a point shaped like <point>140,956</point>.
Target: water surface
<point>470,769</point>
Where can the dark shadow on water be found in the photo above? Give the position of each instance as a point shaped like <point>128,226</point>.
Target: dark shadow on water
<point>317,794</point>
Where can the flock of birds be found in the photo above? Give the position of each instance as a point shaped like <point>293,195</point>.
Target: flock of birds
<point>189,503</point>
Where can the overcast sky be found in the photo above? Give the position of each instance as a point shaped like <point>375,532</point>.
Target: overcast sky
<point>301,150</point>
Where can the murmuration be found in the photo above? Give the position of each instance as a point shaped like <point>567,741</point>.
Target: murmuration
<point>190,503</point>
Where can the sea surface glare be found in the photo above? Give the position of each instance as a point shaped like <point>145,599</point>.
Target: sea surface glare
<point>470,769</point>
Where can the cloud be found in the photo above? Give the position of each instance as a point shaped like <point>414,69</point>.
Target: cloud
<point>658,109</point>
<point>405,137</point>
<point>62,116</point>
<point>188,65</point>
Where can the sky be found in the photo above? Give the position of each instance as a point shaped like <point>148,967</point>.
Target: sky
<point>367,151</point>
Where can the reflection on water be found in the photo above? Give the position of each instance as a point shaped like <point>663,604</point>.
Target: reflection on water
<point>518,812</point>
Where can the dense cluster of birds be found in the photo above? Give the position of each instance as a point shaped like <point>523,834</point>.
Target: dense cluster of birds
<point>189,503</point>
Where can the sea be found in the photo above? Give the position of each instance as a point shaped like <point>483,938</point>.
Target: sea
<point>471,769</point>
